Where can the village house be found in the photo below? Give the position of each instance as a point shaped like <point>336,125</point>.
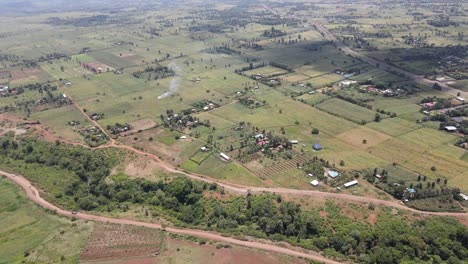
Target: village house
<point>333,174</point>
<point>346,83</point>
<point>351,183</point>
<point>224,157</point>
<point>450,128</point>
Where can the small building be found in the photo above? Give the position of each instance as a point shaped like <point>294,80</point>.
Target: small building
<point>464,196</point>
<point>294,141</point>
<point>333,174</point>
<point>183,137</point>
<point>310,175</point>
<point>346,83</point>
<point>224,156</point>
<point>461,99</point>
<point>450,128</point>
<point>314,183</point>
<point>317,147</point>
<point>204,149</point>
<point>351,183</point>
<point>68,84</point>
<point>257,136</point>
<point>410,190</point>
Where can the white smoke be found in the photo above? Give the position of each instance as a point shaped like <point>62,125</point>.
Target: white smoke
<point>174,83</point>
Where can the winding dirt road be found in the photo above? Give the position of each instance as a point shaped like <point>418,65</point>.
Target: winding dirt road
<point>34,195</point>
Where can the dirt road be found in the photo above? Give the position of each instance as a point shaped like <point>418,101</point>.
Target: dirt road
<point>34,195</point>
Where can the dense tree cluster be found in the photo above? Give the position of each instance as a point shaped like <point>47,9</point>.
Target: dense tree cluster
<point>154,73</point>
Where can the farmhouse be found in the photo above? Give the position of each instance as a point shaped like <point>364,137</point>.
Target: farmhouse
<point>333,174</point>
<point>464,196</point>
<point>351,183</point>
<point>317,147</point>
<point>314,183</point>
<point>3,88</point>
<point>294,141</point>
<point>204,149</point>
<point>183,137</point>
<point>461,99</point>
<point>450,128</point>
<point>257,136</point>
<point>224,157</point>
<point>346,83</point>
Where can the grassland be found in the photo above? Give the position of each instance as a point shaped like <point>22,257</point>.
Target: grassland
<point>29,234</point>
<point>347,110</point>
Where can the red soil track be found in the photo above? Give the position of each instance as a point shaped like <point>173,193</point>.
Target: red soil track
<point>34,195</point>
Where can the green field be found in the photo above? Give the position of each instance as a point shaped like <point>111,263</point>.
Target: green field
<point>347,110</point>
<point>29,234</point>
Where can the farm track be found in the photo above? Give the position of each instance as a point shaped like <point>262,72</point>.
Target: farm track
<point>34,195</point>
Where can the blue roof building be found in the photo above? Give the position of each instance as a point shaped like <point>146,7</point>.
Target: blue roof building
<point>317,146</point>
<point>333,174</point>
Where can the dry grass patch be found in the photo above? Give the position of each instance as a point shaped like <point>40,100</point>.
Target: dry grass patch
<point>363,137</point>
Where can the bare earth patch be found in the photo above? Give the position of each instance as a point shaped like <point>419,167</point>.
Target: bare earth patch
<point>119,242</point>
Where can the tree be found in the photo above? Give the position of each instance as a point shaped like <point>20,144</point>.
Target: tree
<point>87,203</point>
<point>437,86</point>
<point>315,131</point>
<point>377,117</point>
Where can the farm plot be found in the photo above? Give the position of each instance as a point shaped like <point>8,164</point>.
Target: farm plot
<point>281,167</point>
<point>436,166</point>
<point>347,110</point>
<point>292,178</point>
<point>200,156</point>
<point>27,228</point>
<point>428,138</point>
<point>28,75</point>
<point>57,119</point>
<point>266,71</point>
<point>180,251</point>
<point>314,99</point>
<point>114,242</point>
<point>396,150</point>
<point>64,69</point>
<point>230,171</point>
<point>363,137</point>
<point>111,60</point>
<point>353,159</point>
<point>393,126</point>
<point>142,124</point>
<point>325,79</point>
